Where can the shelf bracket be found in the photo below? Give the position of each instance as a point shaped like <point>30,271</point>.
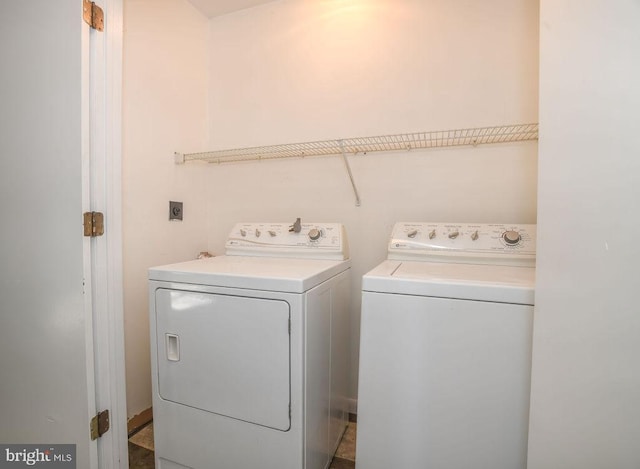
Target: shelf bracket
<point>346,164</point>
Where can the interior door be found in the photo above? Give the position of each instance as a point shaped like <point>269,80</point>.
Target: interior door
<point>47,390</point>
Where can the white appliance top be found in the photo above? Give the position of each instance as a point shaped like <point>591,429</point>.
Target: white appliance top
<point>495,283</point>
<point>483,262</point>
<point>299,240</point>
<point>268,256</point>
<point>253,273</point>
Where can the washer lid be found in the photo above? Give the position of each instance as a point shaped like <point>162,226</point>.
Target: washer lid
<point>500,284</point>
<point>254,273</point>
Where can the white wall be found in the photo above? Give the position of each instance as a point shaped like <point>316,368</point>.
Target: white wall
<point>296,70</point>
<point>586,371</point>
<point>164,110</point>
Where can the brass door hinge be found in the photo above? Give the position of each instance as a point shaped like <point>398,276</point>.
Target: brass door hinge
<point>93,224</point>
<point>93,15</point>
<point>99,424</point>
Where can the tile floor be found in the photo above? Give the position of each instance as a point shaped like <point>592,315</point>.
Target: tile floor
<point>141,449</point>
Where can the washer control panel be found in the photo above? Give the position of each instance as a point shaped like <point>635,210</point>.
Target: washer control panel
<point>500,244</point>
<point>303,240</point>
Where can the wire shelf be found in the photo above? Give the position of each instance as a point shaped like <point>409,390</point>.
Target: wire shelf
<point>363,145</point>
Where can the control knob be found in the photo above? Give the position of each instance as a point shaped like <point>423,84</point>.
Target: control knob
<point>412,233</point>
<point>454,234</point>
<point>314,234</point>
<point>511,237</point>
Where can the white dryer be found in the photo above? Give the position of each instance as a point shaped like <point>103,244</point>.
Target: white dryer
<point>249,351</point>
<point>445,348</point>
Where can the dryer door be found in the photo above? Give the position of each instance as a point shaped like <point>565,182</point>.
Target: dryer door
<point>224,354</point>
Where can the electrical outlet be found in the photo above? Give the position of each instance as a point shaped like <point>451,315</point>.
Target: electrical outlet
<point>175,210</point>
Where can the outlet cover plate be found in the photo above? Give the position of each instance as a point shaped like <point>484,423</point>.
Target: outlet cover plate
<point>175,210</point>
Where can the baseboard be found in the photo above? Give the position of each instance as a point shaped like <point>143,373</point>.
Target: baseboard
<point>138,421</point>
<point>353,406</point>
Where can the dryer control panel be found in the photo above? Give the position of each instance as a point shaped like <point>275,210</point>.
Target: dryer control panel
<point>302,240</point>
<point>471,243</point>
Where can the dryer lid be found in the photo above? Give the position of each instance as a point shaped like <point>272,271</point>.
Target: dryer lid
<point>254,273</point>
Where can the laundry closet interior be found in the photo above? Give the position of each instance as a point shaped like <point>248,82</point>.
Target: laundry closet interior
<point>293,71</point>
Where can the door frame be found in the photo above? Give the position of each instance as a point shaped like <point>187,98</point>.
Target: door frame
<point>105,133</point>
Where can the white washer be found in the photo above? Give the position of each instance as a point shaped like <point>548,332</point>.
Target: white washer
<point>249,351</point>
<point>445,348</point>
